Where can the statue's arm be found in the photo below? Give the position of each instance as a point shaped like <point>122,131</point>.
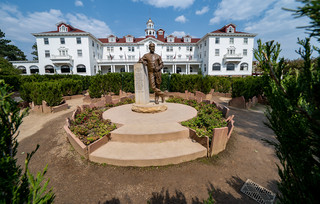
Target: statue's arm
<point>160,63</point>
<point>143,60</point>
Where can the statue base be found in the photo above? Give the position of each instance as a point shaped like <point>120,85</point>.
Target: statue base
<point>149,108</point>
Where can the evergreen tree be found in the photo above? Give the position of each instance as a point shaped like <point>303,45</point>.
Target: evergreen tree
<point>15,186</point>
<point>6,68</point>
<point>35,51</point>
<point>8,51</point>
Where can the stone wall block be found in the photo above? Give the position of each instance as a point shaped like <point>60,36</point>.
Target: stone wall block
<point>219,140</point>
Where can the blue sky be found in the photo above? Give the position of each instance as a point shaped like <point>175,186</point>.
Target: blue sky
<point>18,18</point>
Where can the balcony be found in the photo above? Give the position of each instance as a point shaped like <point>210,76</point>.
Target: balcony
<point>59,60</point>
<point>236,58</point>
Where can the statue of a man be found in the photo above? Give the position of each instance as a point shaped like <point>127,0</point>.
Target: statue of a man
<point>154,64</point>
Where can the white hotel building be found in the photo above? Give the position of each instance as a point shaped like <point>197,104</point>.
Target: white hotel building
<point>69,50</point>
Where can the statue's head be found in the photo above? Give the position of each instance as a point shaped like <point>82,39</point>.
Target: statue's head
<point>152,47</point>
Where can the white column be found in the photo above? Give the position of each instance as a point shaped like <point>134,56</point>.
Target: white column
<point>113,68</point>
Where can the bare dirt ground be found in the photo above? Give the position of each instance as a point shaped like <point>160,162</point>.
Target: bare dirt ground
<point>75,180</point>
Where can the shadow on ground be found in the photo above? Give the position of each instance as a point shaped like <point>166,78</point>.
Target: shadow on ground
<point>218,195</point>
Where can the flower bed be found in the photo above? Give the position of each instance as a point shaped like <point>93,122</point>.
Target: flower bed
<point>208,128</point>
<point>89,126</point>
<point>208,118</point>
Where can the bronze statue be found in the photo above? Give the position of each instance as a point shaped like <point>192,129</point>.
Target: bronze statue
<point>154,64</point>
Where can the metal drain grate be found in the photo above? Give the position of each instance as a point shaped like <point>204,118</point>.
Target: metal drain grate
<point>258,193</point>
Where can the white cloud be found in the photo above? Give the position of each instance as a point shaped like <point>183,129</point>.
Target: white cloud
<point>179,34</point>
<point>181,19</point>
<point>44,21</point>
<point>180,4</point>
<point>203,10</point>
<point>281,26</point>
<point>18,26</point>
<point>78,3</point>
<point>231,10</point>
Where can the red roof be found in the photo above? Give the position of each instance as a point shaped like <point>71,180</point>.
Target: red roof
<point>224,29</point>
<point>135,40</point>
<point>70,29</point>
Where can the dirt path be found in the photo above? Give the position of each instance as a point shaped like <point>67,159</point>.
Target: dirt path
<point>77,181</point>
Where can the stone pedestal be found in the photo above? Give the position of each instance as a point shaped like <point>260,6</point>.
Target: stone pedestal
<point>141,84</point>
<point>149,108</point>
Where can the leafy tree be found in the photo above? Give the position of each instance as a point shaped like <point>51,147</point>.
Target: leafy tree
<point>35,51</point>
<point>6,68</point>
<point>15,186</point>
<point>8,51</point>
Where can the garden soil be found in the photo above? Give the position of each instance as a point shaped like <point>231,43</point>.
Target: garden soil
<point>75,180</point>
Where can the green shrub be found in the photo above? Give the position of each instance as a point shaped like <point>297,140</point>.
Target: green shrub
<point>51,93</point>
<point>70,87</point>
<point>247,87</point>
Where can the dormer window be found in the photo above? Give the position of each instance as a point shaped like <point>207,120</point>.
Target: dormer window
<point>230,29</point>
<point>170,39</point>
<point>112,39</point>
<point>186,39</point>
<point>160,32</point>
<point>129,39</point>
<point>63,28</point>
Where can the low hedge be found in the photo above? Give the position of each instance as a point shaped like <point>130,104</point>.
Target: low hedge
<point>49,91</point>
<point>247,87</point>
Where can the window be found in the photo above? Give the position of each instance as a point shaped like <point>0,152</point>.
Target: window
<point>78,40</point>
<point>46,41</point>
<point>122,69</point>
<point>200,46</point>
<point>94,54</point>
<point>169,57</point>
<point>79,53</point>
<point>63,51</point>
<point>231,41</point>
<point>160,32</point>
<point>65,69</point>
<point>120,48</point>
<point>49,69</point>
<point>189,57</point>
<point>245,41</point>
<point>169,49</point>
<point>230,67</point>
<point>205,43</point>
<point>121,56</point>
<point>191,69</point>
<point>81,68</point>
<point>62,41</point>
<point>231,50</point>
<point>34,69</point>
<point>166,70</point>
<point>179,70</point>
<point>216,67</point>
<point>110,49</point>
<point>170,39</point>
<point>179,56</point>
<point>130,49</point>
<point>189,49</point>
<point>244,67</point>
<point>23,69</point>
<point>47,53</point>
<point>230,29</point>
<point>63,28</point>
<point>217,52</point>
<point>200,55</point>
<point>109,69</point>
<point>204,54</point>
<point>131,57</point>
<point>205,67</point>
<point>245,52</point>
<point>217,40</point>
<point>92,43</point>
